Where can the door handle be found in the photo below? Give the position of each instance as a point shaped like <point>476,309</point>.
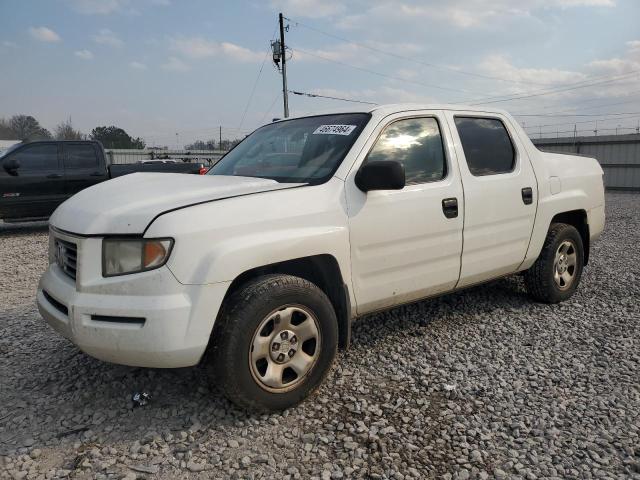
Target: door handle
<point>527,195</point>
<point>95,174</point>
<point>54,175</point>
<point>450,207</point>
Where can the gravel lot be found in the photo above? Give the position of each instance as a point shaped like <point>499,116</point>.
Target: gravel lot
<point>478,384</point>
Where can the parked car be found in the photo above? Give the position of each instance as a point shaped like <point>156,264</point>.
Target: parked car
<point>306,225</point>
<point>157,161</point>
<point>36,177</point>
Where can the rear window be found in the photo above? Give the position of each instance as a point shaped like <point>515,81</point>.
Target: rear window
<point>80,156</point>
<point>486,144</point>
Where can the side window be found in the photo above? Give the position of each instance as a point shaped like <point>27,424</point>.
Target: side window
<point>80,156</point>
<point>486,144</point>
<point>37,157</point>
<point>417,144</point>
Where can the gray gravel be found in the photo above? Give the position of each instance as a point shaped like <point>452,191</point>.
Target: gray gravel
<point>478,384</point>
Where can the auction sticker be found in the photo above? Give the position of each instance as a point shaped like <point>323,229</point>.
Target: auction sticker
<point>334,129</point>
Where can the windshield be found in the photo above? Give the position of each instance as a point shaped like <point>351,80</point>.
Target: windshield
<point>303,150</point>
<point>4,153</point>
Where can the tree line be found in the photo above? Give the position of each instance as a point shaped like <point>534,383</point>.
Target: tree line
<point>27,129</point>
<point>212,145</point>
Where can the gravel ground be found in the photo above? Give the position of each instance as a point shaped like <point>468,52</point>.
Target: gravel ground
<point>478,384</point>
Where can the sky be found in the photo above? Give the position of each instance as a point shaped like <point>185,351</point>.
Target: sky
<point>161,67</point>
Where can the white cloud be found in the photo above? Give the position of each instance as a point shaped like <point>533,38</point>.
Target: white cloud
<point>174,64</point>
<point>137,65</point>
<point>107,37</point>
<point>198,47</point>
<point>9,44</point>
<point>634,45</point>
<point>44,34</point>
<point>500,66</point>
<point>84,54</point>
<point>462,14</point>
<point>309,8</point>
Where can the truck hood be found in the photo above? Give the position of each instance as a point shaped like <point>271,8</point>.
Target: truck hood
<point>128,204</point>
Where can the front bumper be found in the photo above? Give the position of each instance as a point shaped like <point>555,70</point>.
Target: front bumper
<point>148,319</point>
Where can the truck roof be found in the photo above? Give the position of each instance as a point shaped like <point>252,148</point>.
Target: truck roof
<point>391,108</point>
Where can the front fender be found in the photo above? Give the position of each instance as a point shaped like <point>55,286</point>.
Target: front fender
<point>226,260</point>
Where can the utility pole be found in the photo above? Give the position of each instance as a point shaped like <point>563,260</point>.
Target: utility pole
<point>279,55</point>
<point>220,142</point>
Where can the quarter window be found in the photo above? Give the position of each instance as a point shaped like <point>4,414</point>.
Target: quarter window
<point>417,144</point>
<point>486,144</point>
<point>80,156</point>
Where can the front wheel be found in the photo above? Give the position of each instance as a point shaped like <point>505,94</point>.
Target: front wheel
<point>275,341</point>
<point>555,275</point>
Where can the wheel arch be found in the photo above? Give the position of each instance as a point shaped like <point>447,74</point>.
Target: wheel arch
<point>322,270</point>
<point>577,219</point>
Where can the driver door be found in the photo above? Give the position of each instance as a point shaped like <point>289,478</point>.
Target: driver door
<point>37,187</point>
<point>403,246</point>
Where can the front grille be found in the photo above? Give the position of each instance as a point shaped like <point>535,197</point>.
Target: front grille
<point>66,255</point>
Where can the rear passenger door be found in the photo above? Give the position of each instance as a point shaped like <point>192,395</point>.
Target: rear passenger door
<point>82,166</point>
<point>500,192</point>
<point>36,188</point>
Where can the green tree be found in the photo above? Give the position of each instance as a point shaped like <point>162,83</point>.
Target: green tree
<point>115,137</point>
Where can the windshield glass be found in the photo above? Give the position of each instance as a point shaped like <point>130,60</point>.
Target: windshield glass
<point>303,150</point>
<point>4,153</point>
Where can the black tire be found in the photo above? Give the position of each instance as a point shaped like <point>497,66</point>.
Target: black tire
<point>539,279</point>
<point>241,315</point>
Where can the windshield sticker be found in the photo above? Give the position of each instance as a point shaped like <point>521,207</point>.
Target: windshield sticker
<point>334,129</point>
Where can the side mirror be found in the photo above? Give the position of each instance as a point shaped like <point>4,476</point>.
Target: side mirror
<point>382,175</point>
<point>11,165</point>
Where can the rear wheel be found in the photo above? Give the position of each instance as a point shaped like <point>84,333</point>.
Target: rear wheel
<point>275,341</point>
<point>555,275</point>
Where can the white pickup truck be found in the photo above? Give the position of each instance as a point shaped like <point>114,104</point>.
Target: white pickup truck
<point>306,225</point>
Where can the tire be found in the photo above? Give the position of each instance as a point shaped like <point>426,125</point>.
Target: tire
<point>552,279</point>
<point>252,362</point>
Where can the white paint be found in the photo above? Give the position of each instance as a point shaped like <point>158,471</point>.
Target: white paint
<point>391,246</point>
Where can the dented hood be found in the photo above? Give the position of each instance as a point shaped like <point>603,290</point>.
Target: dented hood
<point>127,205</point>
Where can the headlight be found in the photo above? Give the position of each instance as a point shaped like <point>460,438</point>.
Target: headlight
<point>131,255</point>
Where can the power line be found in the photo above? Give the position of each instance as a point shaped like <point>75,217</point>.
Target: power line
<point>559,112</point>
<point>317,95</point>
<point>600,119</point>
<point>576,86</point>
<point>380,74</point>
<point>452,69</point>
<point>488,100</point>
<point>255,84</point>
<point>270,108</point>
<point>415,60</point>
<point>552,115</point>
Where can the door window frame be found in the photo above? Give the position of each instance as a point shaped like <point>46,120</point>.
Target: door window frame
<point>516,152</point>
<point>65,147</point>
<point>447,159</point>
<point>57,167</point>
